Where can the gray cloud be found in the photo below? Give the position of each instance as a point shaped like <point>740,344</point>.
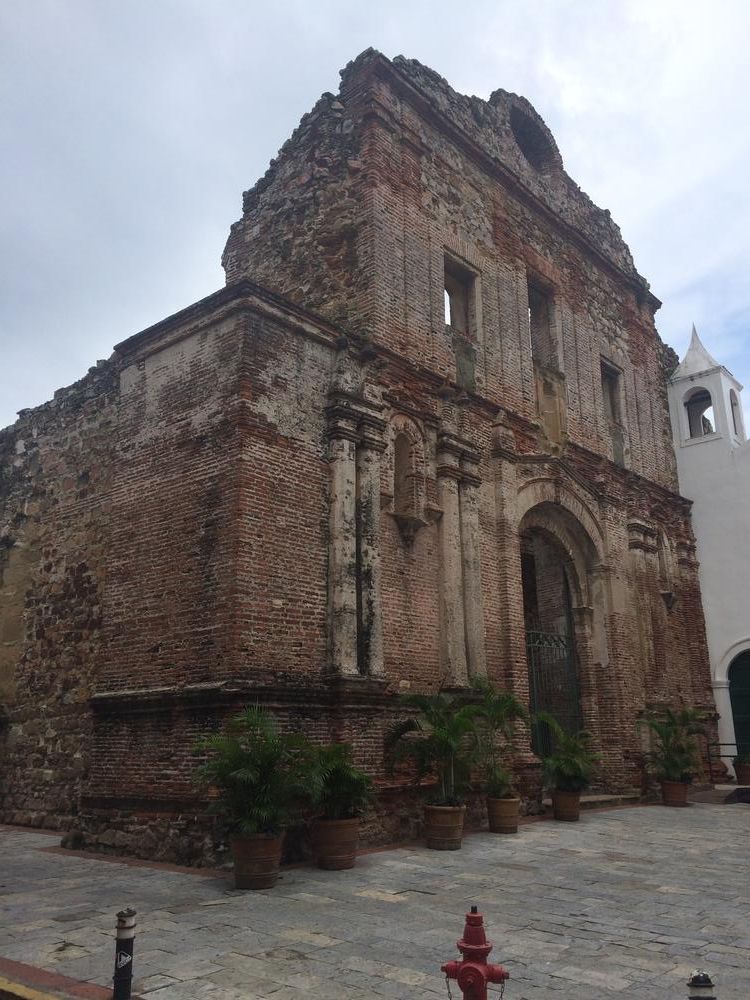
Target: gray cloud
<point>130,130</point>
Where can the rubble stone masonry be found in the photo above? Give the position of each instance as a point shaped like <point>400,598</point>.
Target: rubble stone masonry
<point>311,491</point>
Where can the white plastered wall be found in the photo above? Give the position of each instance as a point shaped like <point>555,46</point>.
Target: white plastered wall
<point>714,472</point>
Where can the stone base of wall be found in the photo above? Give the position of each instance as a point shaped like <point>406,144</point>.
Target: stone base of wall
<point>198,838</point>
<point>37,820</point>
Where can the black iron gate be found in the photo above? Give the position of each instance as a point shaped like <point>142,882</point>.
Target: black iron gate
<point>553,685</point>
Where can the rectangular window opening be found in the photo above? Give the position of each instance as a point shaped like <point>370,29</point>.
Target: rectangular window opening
<point>611,392</point>
<point>612,410</point>
<point>458,298</point>
<point>540,321</point>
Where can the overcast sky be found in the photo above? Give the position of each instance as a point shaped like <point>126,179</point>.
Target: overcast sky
<point>130,128</point>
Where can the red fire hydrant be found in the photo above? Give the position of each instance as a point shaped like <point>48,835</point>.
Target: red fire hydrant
<point>473,973</point>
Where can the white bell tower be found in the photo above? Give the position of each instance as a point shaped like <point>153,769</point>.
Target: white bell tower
<point>713,464</point>
<point>704,401</point>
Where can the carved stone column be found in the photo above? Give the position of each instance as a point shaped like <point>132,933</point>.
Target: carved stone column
<point>342,538</point>
<point>370,448</point>
<point>471,565</point>
<point>586,667</point>
<point>450,564</point>
<point>508,570</point>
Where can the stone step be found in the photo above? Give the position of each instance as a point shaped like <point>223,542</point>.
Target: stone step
<point>722,794</point>
<point>599,801</point>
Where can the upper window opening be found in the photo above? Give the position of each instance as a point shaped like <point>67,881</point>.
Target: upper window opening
<point>611,392</point>
<point>532,140</point>
<point>612,411</point>
<point>540,324</point>
<point>700,413</point>
<point>458,298</point>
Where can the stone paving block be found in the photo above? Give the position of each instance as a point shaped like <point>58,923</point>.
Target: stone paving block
<point>179,991</point>
<point>188,970</point>
<point>145,984</point>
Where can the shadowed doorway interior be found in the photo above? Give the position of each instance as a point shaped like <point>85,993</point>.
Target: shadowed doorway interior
<point>550,636</point>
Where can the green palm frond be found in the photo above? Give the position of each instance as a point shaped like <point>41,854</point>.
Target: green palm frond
<point>570,767</point>
<point>261,774</point>
<point>338,788</point>
<point>675,756</point>
<point>496,714</point>
<point>436,740</point>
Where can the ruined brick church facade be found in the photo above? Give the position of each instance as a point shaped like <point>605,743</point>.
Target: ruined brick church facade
<point>421,436</point>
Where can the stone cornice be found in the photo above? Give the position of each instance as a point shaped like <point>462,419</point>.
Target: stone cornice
<point>247,297</point>
<point>631,479</point>
<point>242,296</point>
<point>355,418</point>
<point>327,692</point>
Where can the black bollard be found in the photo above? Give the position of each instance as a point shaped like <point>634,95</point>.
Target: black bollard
<point>124,941</point>
<point>700,986</point>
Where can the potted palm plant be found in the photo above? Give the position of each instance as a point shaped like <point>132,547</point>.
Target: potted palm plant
<point>496,713</point>
<point>568,770</point>
<point>259,775</point>
<point>437,740</point>
<point>342,792</point>
<point>742,767</point>
<point>675,756</point>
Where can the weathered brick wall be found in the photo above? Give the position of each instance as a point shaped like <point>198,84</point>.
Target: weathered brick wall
<point>446,174</point>
<point>436,171</point>
<point>303,222</point>
<point>54,497</point>
<point>196,525</point>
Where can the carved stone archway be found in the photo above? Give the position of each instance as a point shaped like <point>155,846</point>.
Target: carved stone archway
<point>565,609</point>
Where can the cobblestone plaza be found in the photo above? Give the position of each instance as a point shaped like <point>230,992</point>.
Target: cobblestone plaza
<point>627,902</point>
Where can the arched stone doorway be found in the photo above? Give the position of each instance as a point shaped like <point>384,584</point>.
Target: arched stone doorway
<point>563,603</point>
<point>739,697</point>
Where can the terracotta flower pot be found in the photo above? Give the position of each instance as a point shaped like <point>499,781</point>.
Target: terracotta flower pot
<point>335,843</point>
<point>566,806</point>
<point>742,771</point>
<point>444,827</point>
<point>503,815</point>
<point>674,793</point>
<point>256,861</point>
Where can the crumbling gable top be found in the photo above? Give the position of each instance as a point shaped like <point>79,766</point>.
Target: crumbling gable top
<point>320,182</point>
<point>509,130</point>
<point>511,137</point>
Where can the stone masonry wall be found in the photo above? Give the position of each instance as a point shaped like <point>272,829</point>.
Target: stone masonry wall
<point>54,496</point>
<point>434,173</point>
<point>312,494</point>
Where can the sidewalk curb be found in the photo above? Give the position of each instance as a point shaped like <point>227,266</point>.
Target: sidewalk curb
<point>19,981</point>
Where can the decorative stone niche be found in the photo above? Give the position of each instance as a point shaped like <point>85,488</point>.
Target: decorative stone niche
<point>406,468</point>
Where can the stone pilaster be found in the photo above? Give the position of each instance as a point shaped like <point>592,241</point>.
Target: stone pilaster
<point>355,433</point>
<point>512,627</point>
<point>370,448</point>
<point>586,667</point>
<point>454,669</point>
<point>342,539</point>
<point>471,565</point>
